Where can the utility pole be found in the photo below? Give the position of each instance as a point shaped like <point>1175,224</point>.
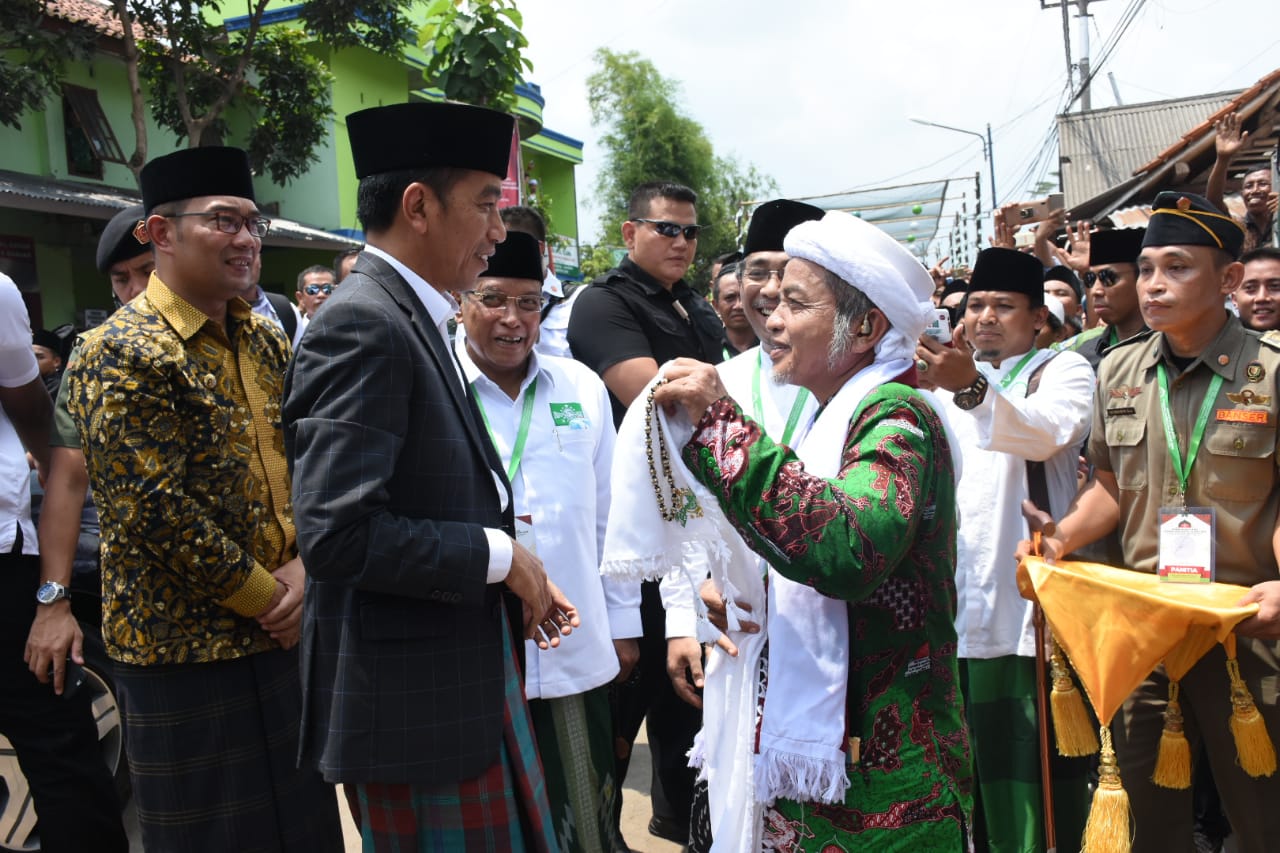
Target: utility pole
<point>1082,66</point>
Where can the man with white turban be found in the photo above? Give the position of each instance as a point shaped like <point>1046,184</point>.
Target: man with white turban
<point>861,740</point>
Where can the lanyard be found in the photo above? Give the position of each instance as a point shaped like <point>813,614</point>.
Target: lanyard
<point>757,404</point>
<point>522,435</point>
<point>1197,430</point>
<point>1017,368</point>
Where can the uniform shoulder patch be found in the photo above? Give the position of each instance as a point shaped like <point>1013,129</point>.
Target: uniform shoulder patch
<point>1272,339</point>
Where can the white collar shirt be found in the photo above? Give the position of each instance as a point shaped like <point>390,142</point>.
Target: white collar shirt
<point>996,440</point>
<point>562,484</point>
<point>17,368</point>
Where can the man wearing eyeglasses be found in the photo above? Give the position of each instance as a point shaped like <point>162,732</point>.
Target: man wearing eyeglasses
<point>1258,296</point>
<point>177,402</point>
<point>629,321</point>
<point>315,285</point>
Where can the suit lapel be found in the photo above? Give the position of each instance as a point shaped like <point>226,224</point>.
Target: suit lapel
<point>386,277</point>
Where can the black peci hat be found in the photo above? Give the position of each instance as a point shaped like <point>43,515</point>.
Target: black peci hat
<point>772,220</point>
<point>1117,246</point>
<point>195,172</point>
<point>518,256</point>
<point>1060,273</point>
<point>426,135</point>
<point>1010,271</point>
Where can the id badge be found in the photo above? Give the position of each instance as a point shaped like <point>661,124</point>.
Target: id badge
<point>524,533</point>
<point>1186,544</point>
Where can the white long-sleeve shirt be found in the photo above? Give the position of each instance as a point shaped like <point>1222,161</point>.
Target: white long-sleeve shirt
<point>997,438</point>
<point>562,483</point>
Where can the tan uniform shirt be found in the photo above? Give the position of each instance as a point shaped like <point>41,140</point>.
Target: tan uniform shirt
<point>1234,472</point>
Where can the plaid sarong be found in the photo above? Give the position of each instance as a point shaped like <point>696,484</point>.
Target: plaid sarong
<point>1000,704</point>
<point>575,740</point>
<point>212,753</point>
<point>503,809</point>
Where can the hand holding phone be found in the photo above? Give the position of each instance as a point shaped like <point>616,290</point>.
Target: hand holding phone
<point>1031,212</point>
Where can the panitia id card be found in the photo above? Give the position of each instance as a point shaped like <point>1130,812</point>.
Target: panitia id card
<point>1186,544</point>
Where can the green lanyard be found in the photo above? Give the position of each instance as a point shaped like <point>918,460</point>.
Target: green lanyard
<point>522,435</point>
<point>1017,368</point>
<point>1197,430</point>
<point>757,404</point>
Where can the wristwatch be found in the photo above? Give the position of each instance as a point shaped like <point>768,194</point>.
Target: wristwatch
<point>969,397</point>
<point>50,591</point>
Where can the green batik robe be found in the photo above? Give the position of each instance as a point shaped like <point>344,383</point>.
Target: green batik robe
<point>882,536</point>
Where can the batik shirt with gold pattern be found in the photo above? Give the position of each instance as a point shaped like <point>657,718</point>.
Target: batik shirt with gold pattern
<point>180,421</point>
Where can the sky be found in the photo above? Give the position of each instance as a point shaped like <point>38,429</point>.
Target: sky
<point>818,93</point>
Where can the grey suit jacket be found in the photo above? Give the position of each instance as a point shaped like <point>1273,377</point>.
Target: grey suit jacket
<point>393,481</point>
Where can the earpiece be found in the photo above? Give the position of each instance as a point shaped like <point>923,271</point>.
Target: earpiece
<point>865,328</point>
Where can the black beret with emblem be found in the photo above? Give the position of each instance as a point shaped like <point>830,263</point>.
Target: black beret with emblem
<point>772,220</point>
<point>518,256</point>
<point>196,172</point>
<point>427,135</point>
<point>1186,219</point>
<point>1009,271</point>
<point>117,242</point>
<point>1115,246</point>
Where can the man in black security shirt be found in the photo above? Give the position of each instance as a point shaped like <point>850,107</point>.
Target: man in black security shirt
<point>642,313</point>
<point>624,326</point>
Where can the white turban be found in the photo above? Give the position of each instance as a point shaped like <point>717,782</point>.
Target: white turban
<point>878,265</point>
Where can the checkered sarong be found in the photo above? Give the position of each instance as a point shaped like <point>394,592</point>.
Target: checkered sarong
<point>503,809</point>
<point>212,753</point>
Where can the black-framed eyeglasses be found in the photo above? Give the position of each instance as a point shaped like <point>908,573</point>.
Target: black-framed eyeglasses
<point>1107,277</point>
<point>495,300</point>
<point>313,289</point>
<point>231,223</point>
<point>672,229</point>
<point>761,275</point>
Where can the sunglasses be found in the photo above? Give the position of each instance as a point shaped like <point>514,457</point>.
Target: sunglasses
<point>313,289</point>
<point>672,229</point>
<point>1107,277</point>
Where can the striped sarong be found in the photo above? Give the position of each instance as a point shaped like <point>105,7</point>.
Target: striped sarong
<point>212,753</point>
<point>503,809</point>
<point>1000,706</point>
<point>575,740</point>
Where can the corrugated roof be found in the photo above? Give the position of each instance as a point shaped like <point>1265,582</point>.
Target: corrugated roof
<point>1102,148</point>
<point>1185,160</point>
<point>89,201</point>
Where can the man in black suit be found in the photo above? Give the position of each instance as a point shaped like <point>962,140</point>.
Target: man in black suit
<point>410,682</point>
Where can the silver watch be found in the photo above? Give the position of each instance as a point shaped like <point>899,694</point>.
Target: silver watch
<point>50,591</point>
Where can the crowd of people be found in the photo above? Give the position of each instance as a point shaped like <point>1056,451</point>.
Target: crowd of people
<point>433,540</point>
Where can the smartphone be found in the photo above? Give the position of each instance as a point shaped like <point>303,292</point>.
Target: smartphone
<point>940,328</point>
<point>71,679</point>
<point>1031,212</point>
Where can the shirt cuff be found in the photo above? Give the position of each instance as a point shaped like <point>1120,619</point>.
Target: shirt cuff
<point>500,554</point>
<point>622,600</point>
<point>254,595</point>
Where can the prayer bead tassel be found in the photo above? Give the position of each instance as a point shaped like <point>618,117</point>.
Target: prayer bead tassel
<point>1173,761</point>
<point>1073,730</point>
<point>1256,752</point>
<point>1107,830</point>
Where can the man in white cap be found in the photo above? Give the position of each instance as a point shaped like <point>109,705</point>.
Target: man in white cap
<point>862,741</point>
